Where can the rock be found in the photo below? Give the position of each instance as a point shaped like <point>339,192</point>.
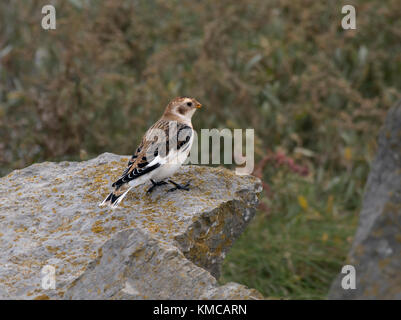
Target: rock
<point>376,249</point>
<point>162,246</point>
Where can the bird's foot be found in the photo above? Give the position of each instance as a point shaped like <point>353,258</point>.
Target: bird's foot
<point>155,184</point>
<point>179,186</point>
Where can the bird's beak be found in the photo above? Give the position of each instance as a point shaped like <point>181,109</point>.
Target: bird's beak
<point>198,106</point>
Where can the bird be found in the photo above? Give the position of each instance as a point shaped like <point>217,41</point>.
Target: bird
<point>161,152</point>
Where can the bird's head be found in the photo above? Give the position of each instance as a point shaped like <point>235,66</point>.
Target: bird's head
<point>182,108</point>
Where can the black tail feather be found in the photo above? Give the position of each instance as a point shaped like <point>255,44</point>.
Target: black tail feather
<point>112,198</point>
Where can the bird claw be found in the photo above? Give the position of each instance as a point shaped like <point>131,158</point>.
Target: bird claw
<point>178,186</point>
<point>154,185</point>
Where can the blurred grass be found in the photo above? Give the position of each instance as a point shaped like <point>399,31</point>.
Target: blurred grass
<point>286,68</point>
<point>296,250</point>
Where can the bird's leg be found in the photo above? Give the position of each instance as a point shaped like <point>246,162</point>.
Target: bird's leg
<point>178,186</point>
<point>155,184</point>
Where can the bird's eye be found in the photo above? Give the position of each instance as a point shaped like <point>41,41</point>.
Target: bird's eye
<point>189,104</point>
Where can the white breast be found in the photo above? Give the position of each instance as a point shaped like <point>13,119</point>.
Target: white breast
<point>173,162</point>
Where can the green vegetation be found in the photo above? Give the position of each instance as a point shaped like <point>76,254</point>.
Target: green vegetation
<point>286,68</point>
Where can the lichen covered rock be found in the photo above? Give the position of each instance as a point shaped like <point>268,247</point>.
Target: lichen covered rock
<point>376,250</point>
<point>158,246</point>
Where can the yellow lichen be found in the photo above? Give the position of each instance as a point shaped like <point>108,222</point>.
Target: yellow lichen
<point>42,297</point>
<point>97,227</point>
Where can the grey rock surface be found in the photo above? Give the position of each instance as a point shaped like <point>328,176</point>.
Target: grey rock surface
<point>162,246</point>
<point>376,249</point>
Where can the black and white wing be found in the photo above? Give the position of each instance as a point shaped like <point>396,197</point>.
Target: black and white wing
<point>154,150</point>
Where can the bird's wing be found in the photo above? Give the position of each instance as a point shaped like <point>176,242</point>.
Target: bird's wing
<point>154,149</point>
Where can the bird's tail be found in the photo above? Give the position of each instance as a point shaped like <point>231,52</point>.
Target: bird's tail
<point>114,199</point>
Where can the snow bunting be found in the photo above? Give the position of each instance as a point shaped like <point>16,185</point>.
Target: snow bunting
<point>162,151</point>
